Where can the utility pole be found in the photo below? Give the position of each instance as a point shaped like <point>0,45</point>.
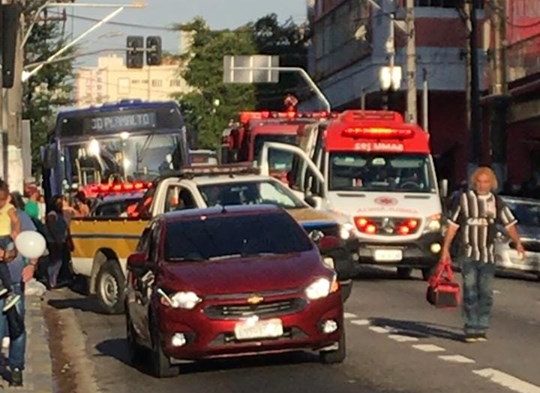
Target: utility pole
<point>467,57</point>
<point>12,116</point>
<point>476,111</point>
<point>498,88</point>
<point>412,115</point>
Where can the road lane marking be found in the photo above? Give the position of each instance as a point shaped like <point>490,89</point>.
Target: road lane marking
<point>361,322</point>
<point>507,380</point>
<point>402,339</point>
<point>379,329</point>
<point>428,348</point>
<point>349,315</point>
<point>456,359</point>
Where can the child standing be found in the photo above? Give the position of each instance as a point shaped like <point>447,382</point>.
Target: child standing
<point>10,228</point>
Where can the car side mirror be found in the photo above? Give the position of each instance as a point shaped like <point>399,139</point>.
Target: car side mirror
<point>314,201</point>
<point>137,261</point>
<point>329,243</point>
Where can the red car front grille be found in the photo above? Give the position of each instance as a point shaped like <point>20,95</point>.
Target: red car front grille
<point>267,309</point>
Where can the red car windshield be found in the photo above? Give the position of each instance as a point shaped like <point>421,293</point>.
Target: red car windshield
<point>223,236</point>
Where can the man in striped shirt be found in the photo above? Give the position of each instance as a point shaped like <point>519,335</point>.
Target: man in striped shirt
<point>476,216</point>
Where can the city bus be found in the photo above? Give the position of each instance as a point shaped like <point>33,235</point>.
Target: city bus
<point>130,142</point>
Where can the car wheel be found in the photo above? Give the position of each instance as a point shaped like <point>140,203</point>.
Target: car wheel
<point>136,352</point>
<point>404,272</point>
<point>336,356</point>
<point>426,273</point>
<point>110,288</point>
<point>161,365</point>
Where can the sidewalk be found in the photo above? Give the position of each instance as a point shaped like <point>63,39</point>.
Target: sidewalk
<point>38,374</point>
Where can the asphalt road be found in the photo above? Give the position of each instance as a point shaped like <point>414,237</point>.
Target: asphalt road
<point>396,343</point>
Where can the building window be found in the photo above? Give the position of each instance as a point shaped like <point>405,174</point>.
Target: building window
<point>157,83</point>
<point>123,86</point>
<point>135,81</point>
<point>176,83</point>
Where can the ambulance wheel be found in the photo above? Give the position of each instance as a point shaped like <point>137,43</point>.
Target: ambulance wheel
<point>110,288</point>
<point>404,272</point>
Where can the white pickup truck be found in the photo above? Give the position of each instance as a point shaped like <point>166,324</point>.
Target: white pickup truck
<point>103,244</point>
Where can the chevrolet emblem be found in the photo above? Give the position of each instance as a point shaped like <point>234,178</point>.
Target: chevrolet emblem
<point>255,299</point>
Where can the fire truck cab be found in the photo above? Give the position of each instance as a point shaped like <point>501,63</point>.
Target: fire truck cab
<point>376,171</point>
<point>243,141</point>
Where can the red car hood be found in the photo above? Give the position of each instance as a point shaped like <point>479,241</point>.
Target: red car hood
<point>243,275</point>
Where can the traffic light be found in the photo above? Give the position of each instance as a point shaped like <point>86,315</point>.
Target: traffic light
<point>153,50</point>
<point>10,15</point>
<point>135,52</point>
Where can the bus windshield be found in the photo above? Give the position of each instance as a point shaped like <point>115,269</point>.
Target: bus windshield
<point>126,157</point>
<point>382,172</point>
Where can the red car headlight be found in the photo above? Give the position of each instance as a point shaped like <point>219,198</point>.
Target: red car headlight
<point>185,300</point>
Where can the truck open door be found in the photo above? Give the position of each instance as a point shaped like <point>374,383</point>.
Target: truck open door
<point>316,200</point>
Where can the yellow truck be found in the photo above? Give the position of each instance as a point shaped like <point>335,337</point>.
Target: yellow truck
<point>103,244</point>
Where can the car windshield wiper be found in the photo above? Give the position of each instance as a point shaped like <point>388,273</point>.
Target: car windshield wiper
<point>221,257</point>
<point>186,259</point>
<point>258,254</point>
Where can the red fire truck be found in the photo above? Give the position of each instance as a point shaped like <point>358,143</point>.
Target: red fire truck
<point>243,141</point>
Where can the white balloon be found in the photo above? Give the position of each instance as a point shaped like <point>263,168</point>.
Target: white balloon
<point>30,244</point>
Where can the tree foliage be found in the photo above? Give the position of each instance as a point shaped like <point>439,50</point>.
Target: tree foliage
<point>211,104</point>
<point>51,87</point>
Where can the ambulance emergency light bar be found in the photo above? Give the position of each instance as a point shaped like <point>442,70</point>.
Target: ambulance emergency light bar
<point>362,115</point>
<point>377,133</point>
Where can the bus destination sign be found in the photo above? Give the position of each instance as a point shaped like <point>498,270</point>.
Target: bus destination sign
<point>121,122</point>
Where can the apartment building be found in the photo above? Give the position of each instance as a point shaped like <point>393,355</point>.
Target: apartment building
<point>112,81</point>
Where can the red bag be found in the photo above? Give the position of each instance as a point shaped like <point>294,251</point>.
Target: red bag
<point>443,291</point>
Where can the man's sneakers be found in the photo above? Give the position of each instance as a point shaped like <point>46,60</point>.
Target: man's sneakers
<point>470,338</point>
<point>16,377</point>
<point>11,300</point>
<point>475,337</point>
<point>481,337</point>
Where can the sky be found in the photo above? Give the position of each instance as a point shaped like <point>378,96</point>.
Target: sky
<point>164,13</point>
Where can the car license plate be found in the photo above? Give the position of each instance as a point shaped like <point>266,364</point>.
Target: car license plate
<point>248,330</point>
<point>388,255</point>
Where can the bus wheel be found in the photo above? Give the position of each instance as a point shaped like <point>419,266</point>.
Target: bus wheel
<point>110,288</point>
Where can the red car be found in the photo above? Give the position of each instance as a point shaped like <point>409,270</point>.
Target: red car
<point>230,281</point>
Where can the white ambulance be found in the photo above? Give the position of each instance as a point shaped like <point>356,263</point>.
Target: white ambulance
<point>376,172</point>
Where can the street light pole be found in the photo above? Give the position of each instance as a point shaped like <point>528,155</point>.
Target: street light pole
<point>412,116</point>
<point>476,111</point>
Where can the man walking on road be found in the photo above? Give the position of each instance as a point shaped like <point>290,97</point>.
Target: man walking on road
<point>476,216</point>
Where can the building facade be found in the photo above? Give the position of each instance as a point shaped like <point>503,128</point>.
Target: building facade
<point>112,81</point>
<point>349,47</point>
<point>523,77</point>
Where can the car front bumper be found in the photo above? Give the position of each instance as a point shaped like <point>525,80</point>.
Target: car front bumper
<point>507,258</point>
<point>211,338</point>
<point>417,253</point>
